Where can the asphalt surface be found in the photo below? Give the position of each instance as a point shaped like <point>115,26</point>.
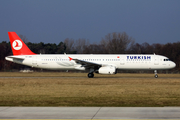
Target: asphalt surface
<point>90,113</point>
<point>94,77</point>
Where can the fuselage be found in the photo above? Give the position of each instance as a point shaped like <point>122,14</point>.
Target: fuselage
<point>124,62</point>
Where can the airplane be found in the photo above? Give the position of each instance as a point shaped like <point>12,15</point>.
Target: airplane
<point>95,63</point>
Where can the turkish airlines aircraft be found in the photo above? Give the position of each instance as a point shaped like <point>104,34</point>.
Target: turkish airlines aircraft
<point>99,63</point>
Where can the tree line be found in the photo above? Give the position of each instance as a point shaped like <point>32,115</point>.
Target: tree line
<point>112,43</point>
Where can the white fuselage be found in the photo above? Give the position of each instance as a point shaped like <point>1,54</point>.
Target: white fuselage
<point>119,61</point>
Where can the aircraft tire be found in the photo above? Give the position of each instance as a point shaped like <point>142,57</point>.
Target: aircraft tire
<point>90,75</point>
<point>156,76</point>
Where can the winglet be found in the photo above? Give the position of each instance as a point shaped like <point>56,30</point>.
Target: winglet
<point>18,46</point>
<point>70,58</point>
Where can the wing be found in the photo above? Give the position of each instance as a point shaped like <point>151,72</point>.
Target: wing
<point>86,64</point>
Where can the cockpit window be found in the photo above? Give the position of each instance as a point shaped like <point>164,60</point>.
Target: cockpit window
<point>167,60</point>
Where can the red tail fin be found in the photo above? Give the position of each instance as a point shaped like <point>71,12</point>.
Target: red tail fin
<point>18,46</point>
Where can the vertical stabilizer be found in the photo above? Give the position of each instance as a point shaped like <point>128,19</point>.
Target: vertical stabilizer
<point>18,46</point>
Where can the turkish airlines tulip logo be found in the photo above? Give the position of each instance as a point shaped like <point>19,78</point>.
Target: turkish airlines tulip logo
<point>17,45</point>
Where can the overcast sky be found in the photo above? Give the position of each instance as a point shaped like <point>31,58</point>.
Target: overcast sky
<point>52,21</point>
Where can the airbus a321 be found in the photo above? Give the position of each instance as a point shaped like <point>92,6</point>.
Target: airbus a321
<point>97,63</point>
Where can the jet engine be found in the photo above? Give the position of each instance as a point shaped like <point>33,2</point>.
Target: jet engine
<point>107,70</point>
<point>80,68</point>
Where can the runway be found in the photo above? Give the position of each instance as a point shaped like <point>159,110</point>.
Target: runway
<point>87,78</point>
<point>90,113</point>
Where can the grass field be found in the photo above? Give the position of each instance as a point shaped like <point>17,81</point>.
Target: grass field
<point>75,89</point>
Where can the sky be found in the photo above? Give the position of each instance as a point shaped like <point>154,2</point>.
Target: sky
<point>52,21</point>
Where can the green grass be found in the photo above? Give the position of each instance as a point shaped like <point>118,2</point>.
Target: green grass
<point>75,89</point>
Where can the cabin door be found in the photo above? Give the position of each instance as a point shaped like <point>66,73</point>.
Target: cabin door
<point>34,60</point>
<point>156,60</point>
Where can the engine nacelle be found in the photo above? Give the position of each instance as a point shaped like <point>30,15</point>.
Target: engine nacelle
<point>107,70</point>
<point>80,68</point>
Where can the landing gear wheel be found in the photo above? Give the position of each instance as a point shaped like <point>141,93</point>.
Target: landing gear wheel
<point>156,76</point>
<point>90,75</point>
<point>155,72</point>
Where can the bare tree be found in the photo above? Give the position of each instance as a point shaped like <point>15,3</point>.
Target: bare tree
<point>94,49</point>
<point>146,48</point>
<point>23,38</point>
<point>135,49</point>
<point>157,48</point>
<point>116,43</point>
<point>70,44</point>
<point>81,44</point>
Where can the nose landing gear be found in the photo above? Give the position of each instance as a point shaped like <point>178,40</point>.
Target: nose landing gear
<point>155,72</point>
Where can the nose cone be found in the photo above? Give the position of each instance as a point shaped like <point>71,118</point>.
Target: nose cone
<point>173,65</point>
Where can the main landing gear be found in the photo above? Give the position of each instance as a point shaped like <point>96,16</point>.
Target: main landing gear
<point>155,72</point>
<point>90,75</point>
